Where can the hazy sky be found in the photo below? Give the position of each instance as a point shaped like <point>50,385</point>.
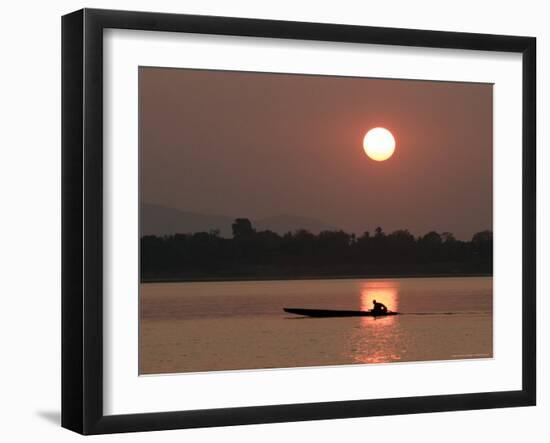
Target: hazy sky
<point>256,145</point>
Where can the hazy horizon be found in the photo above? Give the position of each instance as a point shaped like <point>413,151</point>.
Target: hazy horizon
<point>226,229</point>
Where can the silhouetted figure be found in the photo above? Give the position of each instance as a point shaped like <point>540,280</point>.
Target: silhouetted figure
<point>379,308</point>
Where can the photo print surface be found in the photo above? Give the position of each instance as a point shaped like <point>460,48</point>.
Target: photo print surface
<point>291,220</point>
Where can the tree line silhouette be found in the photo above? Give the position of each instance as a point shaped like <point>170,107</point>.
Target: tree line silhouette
<point>251,254</point>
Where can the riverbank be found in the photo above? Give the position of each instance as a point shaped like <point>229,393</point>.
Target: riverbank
<point>310,277</point>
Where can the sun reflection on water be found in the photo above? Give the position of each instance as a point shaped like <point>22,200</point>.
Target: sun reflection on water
<point>376,340</point>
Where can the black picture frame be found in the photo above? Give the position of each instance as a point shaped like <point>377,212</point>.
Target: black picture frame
<point>82,218</point>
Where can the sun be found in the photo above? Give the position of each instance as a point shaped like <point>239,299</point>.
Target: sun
<point>379,144</point>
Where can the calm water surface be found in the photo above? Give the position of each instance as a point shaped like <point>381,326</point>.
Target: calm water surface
<point>209,326</point>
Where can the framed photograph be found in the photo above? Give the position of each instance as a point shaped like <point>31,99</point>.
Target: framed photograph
<point>269,221</point>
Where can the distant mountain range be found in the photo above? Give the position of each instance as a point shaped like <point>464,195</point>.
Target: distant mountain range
<point>160,220</point>
<point>282,224</point>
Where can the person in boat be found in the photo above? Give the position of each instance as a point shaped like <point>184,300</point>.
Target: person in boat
<point>379,308</point>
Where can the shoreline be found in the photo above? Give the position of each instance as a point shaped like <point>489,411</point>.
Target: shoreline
<point>308,277</point>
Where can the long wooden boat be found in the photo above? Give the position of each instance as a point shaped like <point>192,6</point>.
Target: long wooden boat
<point>336,313</point>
